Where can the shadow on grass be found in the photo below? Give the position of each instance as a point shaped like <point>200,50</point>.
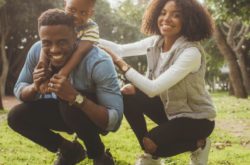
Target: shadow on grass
<point>119,162</point>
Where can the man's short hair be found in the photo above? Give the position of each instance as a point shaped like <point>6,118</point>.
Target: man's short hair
<point>92,1</point>
<point>55,17</point>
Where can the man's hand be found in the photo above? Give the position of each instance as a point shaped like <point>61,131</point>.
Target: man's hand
<point>39,75</point>
<point>61,86</point>
<point>43,88</point>
<point>128,89</point>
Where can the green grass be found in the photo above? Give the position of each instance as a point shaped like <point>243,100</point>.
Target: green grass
<point>229,107</point>
<point>2,111</point>
<point>16,150</point>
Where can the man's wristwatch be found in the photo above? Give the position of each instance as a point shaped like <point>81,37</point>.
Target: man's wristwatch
<point>79,100</point>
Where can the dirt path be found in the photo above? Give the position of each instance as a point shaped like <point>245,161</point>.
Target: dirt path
<point>9,102</point>
<point>239,128</point>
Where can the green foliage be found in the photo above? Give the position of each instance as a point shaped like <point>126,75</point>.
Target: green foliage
<point>21,31</point>
<point>227,149</point>
<point>121,24</point>
<point>214,62</point>
<point>232,17</point>
<point>229,9</point>
<point>2,2</point>
<point>2,112</point>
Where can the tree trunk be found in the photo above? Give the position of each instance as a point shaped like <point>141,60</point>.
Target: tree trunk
<point>230,90</point>
<point>5,66</point>
<point>1,101</point>
<point>244,73</point>
<point>4,30</point>
<point>236,39</point>
<point>234,70</point>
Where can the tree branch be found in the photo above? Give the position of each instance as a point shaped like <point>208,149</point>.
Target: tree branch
<point>230,34</point>
<point>240,32</point>
<point>242,39</point>
<point>224,28</point>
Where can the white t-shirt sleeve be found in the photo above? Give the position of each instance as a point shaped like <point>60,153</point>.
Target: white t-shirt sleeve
<point>189,61</point>
<point>131,49</point>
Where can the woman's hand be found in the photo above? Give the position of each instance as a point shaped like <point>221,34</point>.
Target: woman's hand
<point>114,56</point>
<point>117,60</point>
<point>128,89</point>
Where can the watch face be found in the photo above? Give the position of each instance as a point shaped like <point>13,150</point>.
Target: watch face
<point>79,99</point>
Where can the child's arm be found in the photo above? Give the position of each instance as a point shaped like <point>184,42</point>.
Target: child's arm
<point>88,36</point>
<point>82,49</point>
<point>43,60</point>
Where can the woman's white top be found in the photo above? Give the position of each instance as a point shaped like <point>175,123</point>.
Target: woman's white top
<point>188,62</point>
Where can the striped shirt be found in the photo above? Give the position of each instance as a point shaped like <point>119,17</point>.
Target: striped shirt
<point>88,31</point>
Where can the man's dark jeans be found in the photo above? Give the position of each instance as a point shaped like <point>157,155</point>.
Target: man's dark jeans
<point>35,120</point>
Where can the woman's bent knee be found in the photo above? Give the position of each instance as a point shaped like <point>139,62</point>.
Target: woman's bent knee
<point>149,145</point>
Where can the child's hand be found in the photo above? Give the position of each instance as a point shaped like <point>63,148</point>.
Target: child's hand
<point>39,75</point>
<point>43,88</point>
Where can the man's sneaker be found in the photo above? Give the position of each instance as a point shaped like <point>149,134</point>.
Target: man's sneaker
<point>147,159</point>
<point>70,153</point>
<point>200,156</point>
<point>105,159</point>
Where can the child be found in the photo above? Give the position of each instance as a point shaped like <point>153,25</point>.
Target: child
<point>87,33</point>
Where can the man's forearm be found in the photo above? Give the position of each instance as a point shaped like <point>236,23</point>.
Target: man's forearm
<point>97,114</point>
<point>28,93</point>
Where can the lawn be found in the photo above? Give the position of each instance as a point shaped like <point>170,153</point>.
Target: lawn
<point>227,148</point>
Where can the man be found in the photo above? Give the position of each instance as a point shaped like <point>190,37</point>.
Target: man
<point>88,103</point>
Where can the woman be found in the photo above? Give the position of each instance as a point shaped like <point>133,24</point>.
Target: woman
<point>173,94</point>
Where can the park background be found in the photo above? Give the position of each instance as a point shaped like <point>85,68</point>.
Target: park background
<point>228,76</point>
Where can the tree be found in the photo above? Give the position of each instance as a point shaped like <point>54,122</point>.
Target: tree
<point>18,30</point>
<point>1,69</point>
<point>214,62</point>
<point>2,2</point>
<point>122,25</point>
<point>231,36</point>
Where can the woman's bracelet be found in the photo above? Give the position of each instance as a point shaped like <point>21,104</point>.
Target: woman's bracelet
<point>123,66</point>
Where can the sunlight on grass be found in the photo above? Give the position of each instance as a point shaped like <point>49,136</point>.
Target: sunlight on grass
<point>231,107</point>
